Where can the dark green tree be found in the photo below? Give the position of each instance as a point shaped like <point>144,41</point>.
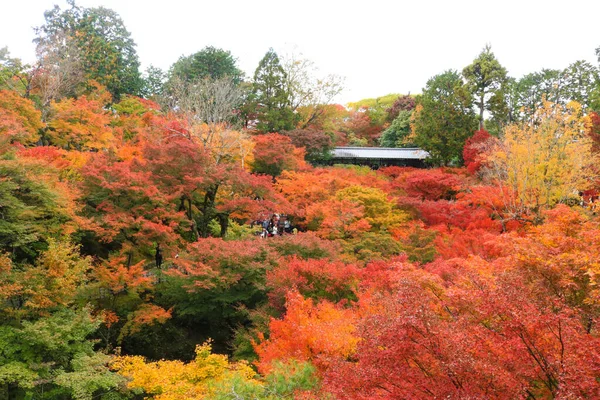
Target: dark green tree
<point>209,62</point>
<point>445,118</point>
<point>105,47</point>
<point>485,80</point>
<point>272,100</point>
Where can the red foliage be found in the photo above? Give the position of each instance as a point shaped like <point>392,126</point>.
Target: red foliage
<point>429,184</point>
<point>457,213</point>
<point>274,153</point>
<point>474,147</point>
<point>331,280</point>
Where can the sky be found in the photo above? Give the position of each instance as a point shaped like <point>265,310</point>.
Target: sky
<point>379,46</point>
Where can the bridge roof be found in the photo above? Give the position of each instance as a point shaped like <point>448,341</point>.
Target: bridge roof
<point>413,153</point>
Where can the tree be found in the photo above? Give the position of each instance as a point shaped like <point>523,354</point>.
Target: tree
<point>541,163</point>
<point>402,103</point>
<point>52,356</point>
<point>13,74</point>
<point>20,121</point>
<point>103,45</point>
<point>444,118</point>
<point>474,149</point>
<point>272,96</point>
<point>308,332</point>
<point>153,82</point>
<point>531,89</point>
<point>274,153</point>
<point>59,72</point>
<point>208,100</point>
<point>582,83</point>
<point>485,78</point>
<point>316,143</point>
<point>398,133</point>
<point>81,124</point>
<point>36,206</point>
<point>309,93</point>
<point>209,62</point>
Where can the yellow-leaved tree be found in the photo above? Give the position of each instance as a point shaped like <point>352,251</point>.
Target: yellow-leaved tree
<point>543,161</point>
<point>213,376</point>
<point>176,380</point>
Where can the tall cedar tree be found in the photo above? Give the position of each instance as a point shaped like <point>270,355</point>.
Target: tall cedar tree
<point>485,78</point>
<point>273,106</point>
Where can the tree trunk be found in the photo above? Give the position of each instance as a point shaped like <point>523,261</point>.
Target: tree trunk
<point>208,210</point>
<point>224,222</point>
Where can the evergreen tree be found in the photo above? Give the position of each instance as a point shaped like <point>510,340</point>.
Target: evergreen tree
<point>104,46</point>
<point>485,80</point>
<point>209,62</point>
<point>445,118</point>
<point>272,98</point>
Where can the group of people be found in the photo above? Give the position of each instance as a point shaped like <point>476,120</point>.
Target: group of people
<point>276,225</point>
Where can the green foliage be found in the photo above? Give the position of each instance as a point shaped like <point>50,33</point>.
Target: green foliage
<point>485,80</point>
<point>377,107</point>
<point>272,98</point>
<point>419,245</point>
<point>53,357</point>
<point>372,246</point>
<point>398,133</point>
<point>209,62</point>
<point>285,381</point>
<point>89,376</point>
<point>12,73</point>
<point>235,231</point>
<point>33,209</point>
<point>444,118</point>
<point>154,80</point>
<point>288,377</point>
<point>355,141</point>
<point>104,45</point>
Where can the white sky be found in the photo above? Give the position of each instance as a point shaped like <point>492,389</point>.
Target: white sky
<point>380,46</point>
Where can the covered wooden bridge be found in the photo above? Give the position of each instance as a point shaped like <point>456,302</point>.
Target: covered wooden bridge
<point>376,157</point>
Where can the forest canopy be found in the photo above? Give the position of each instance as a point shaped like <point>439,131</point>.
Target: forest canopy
<point>179,235</point>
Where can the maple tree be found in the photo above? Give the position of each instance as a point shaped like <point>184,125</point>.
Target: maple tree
<point>475,147</point>
<point>80,123</point>
<point>542,162</point>
<point>308,332</point>
<point>36,206</point>
<point>19,119</point>
<point>317,144</point>
<point>274,153</point>
<point>132,262</point>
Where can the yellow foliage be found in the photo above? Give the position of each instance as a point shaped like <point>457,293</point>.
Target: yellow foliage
<point>176,380</point>
<point>545,160</point>
<point>224,143</point>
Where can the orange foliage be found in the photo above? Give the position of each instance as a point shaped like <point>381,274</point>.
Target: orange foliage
<point>319,333</point>
<point>20,121</point>
<point>80,124</point>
